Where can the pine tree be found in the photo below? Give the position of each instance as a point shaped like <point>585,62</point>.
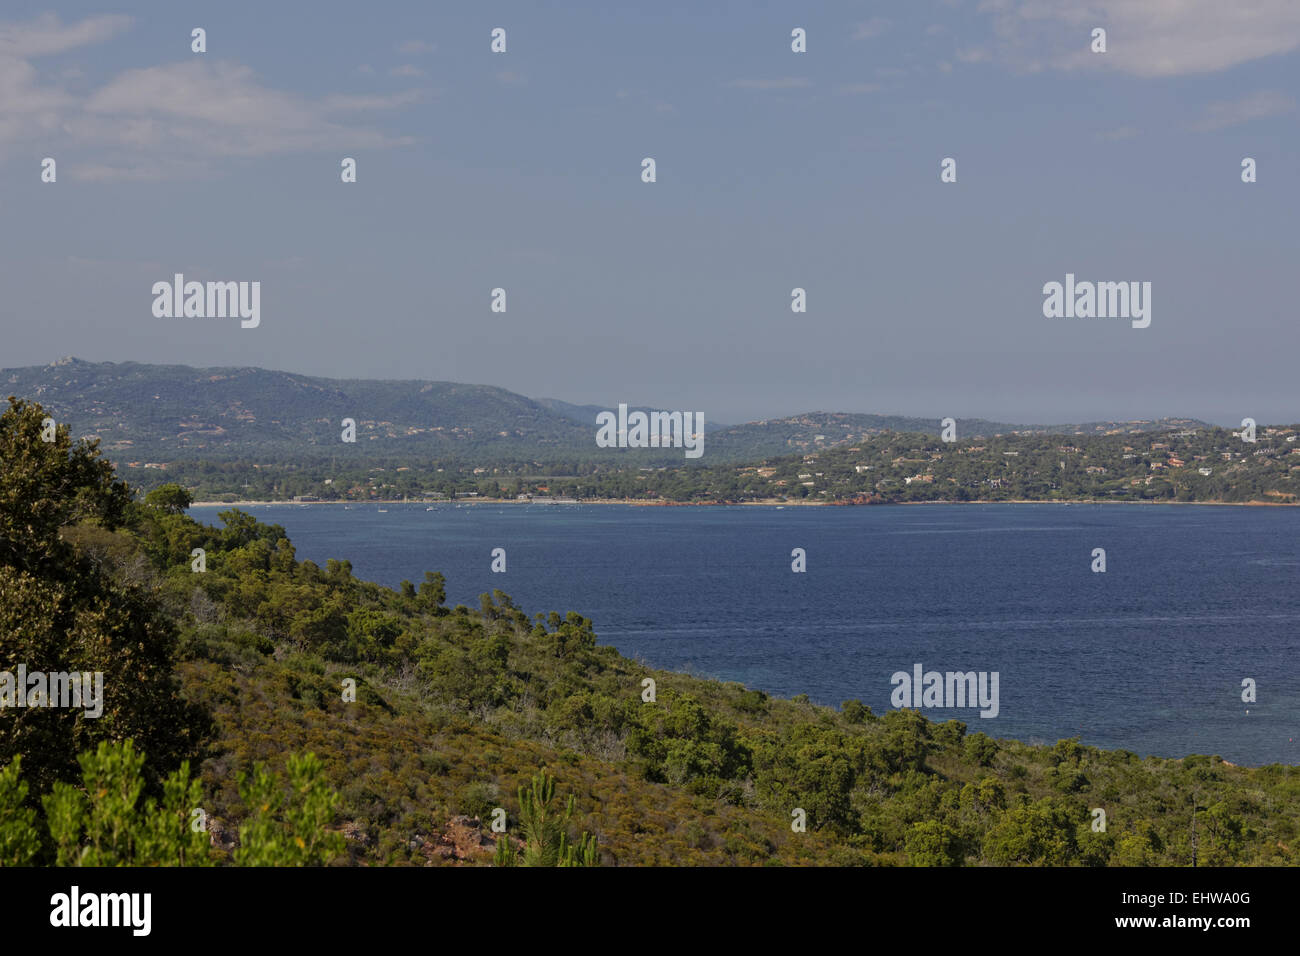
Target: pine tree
<point>546,831</point>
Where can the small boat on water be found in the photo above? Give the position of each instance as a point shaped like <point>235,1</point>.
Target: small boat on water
<point>383,511</point>
<point>430,508</point>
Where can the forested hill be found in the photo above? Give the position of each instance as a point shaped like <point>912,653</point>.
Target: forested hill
<point>169,412</point>
<point>818,431</point>
<point>164,413</point>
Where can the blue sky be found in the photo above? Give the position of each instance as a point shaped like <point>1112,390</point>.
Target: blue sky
<point>775,170</point>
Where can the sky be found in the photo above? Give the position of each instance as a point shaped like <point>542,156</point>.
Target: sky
<point>775,170</point>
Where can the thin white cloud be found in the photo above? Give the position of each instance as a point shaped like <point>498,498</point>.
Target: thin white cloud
<point>784,83</point>
<point>47,35</point>
<point>21,94</point>
<point>215,108</point>
<point>870,28</point>
<point>508,78</point>
<point>176,120</point>
<point>354,103</point>
<point>1148,38</point>
<point>406,69</point>
<point>1258,105</point>
<point>138,171</point>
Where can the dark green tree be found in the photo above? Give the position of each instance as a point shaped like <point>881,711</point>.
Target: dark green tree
<point>61,611</point>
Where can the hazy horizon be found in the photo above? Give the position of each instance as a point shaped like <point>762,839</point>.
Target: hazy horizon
<point>906,413</point>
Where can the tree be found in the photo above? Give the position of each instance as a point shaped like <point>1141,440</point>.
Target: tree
<point>45,485</point>
<point>433,591</point>
<point>61,612</point>
<point>1223,836</point>
<point>933,843</point>
<point>108,637</point>
<point>111,641</point>
<point>104,823</point>
<point>546,831</point>
<point>905,743</point>
<point>855,712</point>
<point>170,499</point>
<point>1043,833</point>
<point>19,839</point>
<point>980,748</point>
<point>292,829</point>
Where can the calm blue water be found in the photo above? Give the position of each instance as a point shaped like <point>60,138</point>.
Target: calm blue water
<point>1148,656</point>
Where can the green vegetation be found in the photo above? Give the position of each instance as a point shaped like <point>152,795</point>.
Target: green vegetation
<point>63,605</point>
<point>1208,464</point>
<point>101,820</point>
<point>252,434</point>
<point>546,832</point>
<point>456,711</point>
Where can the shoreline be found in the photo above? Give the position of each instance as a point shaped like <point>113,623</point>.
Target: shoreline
<point>763,503</point>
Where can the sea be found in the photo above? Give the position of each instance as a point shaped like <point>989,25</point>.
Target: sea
<point>1187,643</point>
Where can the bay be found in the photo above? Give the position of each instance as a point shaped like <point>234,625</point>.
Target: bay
<point>1148,656</point>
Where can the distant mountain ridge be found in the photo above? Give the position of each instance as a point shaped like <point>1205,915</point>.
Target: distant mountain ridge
<point>165,412</point>
<point>586,414</point>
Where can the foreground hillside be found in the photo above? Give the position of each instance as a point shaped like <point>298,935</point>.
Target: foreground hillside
<point>246,663</point>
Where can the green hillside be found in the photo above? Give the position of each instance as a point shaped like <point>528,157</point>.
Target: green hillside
<point>167,413</point>
<point>242,667</point>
